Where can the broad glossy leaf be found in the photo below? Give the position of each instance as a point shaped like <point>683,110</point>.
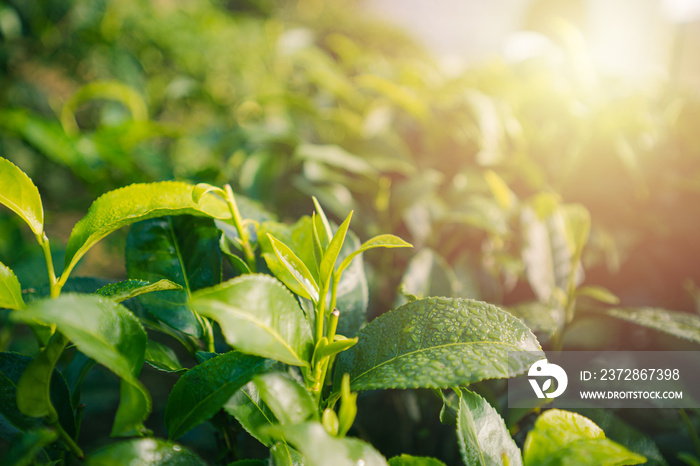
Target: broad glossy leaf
<point>253,414</point>
<point>408,460</point>
<point>381,241</point>
<point>111,335</point>
<point>127,289</point>
<point>25,447</point>
<point>282,454</point>
<point>133,203</point>
<point>259,316</point>
<point>286,398</point>
<point>204,389</point>
<point>334,247</point>
<point>19,194</point>
<point>12,366</point>
<point>566,438</point>
<point>297,268</point>
<point>482,434</point>
<point>679,324</point>
<point>319,448</point>
<point>146,451</point>
<point>10,289</point>
<point>438,343</point>
<point>184,250</point>
<point>162,358</point>
<point>250,463</point>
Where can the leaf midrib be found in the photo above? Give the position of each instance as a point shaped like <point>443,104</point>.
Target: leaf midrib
<point>430,348</point>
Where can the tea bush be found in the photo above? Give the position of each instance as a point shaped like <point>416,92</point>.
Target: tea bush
<point>524,185</point>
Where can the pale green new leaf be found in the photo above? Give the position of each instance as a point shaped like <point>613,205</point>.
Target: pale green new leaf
<point>146,451</point>
<point>10,289</point>
<point>258,315</point>
<point>133,203</point>
<point>121,291</point>
<point>287,399</point>
<point>319,448</point>
<point>679,324</point>
<point>566,438</point>
<point>438,343</point>
<point>482,434</point>
<point>203,390</point>
<point>331,254</point>
<point>296,267</point>
<point>599,294</point>
<point>381,241</point>
<point>19,194</point>
<point>111,335</point>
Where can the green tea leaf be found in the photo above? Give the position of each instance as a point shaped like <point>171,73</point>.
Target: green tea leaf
<point>286,398</point>
<point>619,431</point>
<point>127,289</point>
<point>259,316</point>
<point>438,343</point>
<point>24,447</point>
<point>162,358</point>
<point>325,233</point>
<point>282,454</point>
<point>599,294</point>
<point>33,389</point>
<point>183,250</point>
<point>353,290</point>
<point>482,434</point>
<point>111,335</point>
<point>204,389</point>
<point>10,289</point>
<point>319,448</point>
<point>146,451</point>
<point>133,203</point>
<point>12,366</point>
<point>253,414</point>
<point>381,241</point>
<point>331,254</point>
<point>296,267</point>
<point>408,460</point>
<point>428,274</point>
<point>552,249</point>
<point>679,324</point>
<point>19,194</point>
<point>566,438</point>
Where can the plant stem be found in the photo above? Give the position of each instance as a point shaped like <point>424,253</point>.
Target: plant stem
<point>240,229</point>
<point>55,289</point>
<point>691,430</point>
<point>69,441</point>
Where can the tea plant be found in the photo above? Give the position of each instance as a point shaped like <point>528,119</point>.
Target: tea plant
<point>288,375</point>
